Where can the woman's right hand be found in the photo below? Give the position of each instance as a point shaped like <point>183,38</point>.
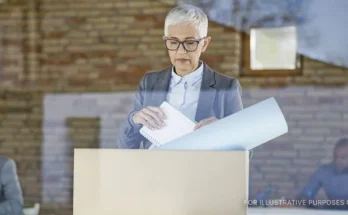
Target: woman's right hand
<point>151,117</point>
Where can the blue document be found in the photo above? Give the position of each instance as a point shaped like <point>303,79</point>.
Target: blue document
<point>243,130</point>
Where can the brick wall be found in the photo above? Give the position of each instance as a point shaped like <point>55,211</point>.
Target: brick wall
<point>317,119</point>
<point>12,56</point>
<point>21,136</point>
<point>60,45</point>
<point>98,45</point>
<point>106,46</point>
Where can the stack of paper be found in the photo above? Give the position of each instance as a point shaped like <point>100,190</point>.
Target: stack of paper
<point>176,125</point>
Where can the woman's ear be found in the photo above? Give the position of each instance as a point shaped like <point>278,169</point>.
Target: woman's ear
<point>206,43</point>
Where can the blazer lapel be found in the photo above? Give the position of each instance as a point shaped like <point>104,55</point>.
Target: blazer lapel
<point>159,93</point>
<point>206,95</point>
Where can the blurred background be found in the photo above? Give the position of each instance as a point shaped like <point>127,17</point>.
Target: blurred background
<point>69,70</point>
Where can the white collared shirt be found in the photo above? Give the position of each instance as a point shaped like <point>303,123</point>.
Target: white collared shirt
<point>184,91</point>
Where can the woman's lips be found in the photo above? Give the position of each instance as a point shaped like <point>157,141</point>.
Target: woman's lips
<point>182,60</point>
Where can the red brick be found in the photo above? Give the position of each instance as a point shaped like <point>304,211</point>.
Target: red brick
<point>76,20</point>
<point>229,30</point>
<point>12,42</point>
<point>104,68</point>
<point>8,76</point>
<point>53,61</point>
<point>76,55</point>
<point>213,61</point>
<point>111,74</point>
<point>55,35</point>
<point>143,24</point>
<point>111,54</point>
<point>160,24</point>
<point>144,17</point>
<point>79,82</point>
<point>135,75</point>
<point>8,62</point>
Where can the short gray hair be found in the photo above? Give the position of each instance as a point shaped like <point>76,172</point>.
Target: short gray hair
<point>187,14</point>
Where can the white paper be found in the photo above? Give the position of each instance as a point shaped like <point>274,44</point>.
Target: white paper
<point>177,125</point>
<point>243,130</point>
<point>273,48</point>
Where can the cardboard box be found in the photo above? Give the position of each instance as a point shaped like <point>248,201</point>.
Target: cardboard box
<point>160,182</point>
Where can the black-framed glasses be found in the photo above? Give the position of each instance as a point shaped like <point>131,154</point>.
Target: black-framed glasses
<point>189,45</point>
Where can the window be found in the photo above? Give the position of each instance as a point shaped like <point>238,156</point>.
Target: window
<point>248,71</point>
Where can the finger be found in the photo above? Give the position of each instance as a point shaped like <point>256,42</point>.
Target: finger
<point>149,120</point>
<point>198,127</point>
<point>143,122</point>
<point>155,116</point>
<point>205,122</point>
<point>146,124</point>
<point>158,111</point>
<point>200,124</point>
<point>210,119</point>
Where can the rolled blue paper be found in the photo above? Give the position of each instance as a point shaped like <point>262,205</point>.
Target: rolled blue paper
<point>243,130</point>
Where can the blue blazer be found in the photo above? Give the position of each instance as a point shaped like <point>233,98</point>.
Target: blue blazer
<point>220,96</point>
<point>11,199</point>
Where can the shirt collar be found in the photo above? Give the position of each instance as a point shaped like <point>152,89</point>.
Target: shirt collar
<point>191,78</point>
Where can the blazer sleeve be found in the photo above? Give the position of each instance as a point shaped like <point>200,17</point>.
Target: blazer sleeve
<point>129,136</point>
<point>234,98</point>
<point>313,185</point>
<point>12,190</point>
<point>234,102</point>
